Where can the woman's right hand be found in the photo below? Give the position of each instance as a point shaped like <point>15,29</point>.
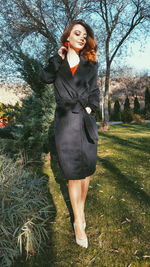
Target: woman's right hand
<point>62,51</point>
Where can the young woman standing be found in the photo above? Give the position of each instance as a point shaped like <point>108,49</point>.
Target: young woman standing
<point>73,70</point>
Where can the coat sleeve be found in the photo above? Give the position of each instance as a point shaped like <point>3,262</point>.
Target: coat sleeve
<point>48,74</point>
<point>93,99</point>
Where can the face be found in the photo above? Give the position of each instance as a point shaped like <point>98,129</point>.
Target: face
<point>77,37</point>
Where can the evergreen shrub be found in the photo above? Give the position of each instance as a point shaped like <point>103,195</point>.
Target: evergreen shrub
<point>136,106</point>
<point>117,111</point>
<point>147,100</point>
<point>35,132</point>
<point>127,114</point>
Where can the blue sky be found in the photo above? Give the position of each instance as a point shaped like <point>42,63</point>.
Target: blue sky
<point>139,57</point>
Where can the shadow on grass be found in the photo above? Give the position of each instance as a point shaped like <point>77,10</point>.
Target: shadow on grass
<point>125,183</point>
<point>141,143</point>
<point>140,127</point>
<point>59,178</point>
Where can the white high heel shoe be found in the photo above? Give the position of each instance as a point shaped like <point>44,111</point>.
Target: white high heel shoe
<point>81,242</point>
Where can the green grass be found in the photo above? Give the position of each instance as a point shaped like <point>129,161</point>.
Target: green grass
<point>117,206</point>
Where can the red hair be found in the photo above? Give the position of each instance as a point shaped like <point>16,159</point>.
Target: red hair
<point>89,51</point>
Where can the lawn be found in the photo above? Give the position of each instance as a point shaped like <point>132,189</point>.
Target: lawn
<point>117,207</point>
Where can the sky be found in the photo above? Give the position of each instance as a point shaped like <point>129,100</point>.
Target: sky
<point>139,57</point>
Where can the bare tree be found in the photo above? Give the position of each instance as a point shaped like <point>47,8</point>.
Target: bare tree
<point>119,19</point>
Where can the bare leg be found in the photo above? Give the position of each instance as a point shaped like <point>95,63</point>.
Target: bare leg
<point>75,193</point>
<point>84,190</point>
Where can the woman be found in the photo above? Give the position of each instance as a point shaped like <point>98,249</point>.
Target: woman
<point>73,70</point>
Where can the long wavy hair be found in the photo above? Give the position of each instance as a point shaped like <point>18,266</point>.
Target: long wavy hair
<point>90,48</point>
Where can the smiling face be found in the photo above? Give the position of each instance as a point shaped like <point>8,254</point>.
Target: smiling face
<point>77,37</point>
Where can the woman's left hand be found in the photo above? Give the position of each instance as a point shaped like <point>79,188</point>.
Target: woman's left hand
<point>88,110</point>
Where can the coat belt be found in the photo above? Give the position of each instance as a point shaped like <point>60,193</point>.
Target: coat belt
<point>76,105</point>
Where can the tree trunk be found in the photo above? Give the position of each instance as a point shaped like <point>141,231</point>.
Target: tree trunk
<point>106,95</point>
<point>104,126</point>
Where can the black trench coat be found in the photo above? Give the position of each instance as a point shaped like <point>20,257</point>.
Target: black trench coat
<point>75,130</point>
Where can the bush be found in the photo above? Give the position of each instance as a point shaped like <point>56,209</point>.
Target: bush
<point>30,138</point>
<point>127,114</point>
<point>25,210</point>
<point>137,118</point>
<point>35,133</point>
<point>2,112</point>
<point>10,113</point>
<point>147,115</point>
<point>136,106</point>
<point>147,100</point>
<point>6,132</point>
<point>117,111</point>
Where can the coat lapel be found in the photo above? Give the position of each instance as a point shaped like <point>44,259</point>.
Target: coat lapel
<point>65,70</point>
<point>81,72</point>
